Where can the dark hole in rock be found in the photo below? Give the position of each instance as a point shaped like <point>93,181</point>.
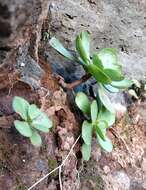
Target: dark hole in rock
<point>4,11</point>
<point>5,29</point>
<point>71,72</point>
<point>3,53</point>
<point>122,48</point>
<point>70,16</point>
<point>2,56</point>
<point>6,48</point>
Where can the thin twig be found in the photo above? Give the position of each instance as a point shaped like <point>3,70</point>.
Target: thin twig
<point>57,168</point>
<point>60,181</point>
<point>120,137</point>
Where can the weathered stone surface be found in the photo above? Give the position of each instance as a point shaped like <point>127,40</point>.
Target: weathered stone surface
<point>16,16</point>
<point>113,23</point>
<point>122,180</point>
<point>118,180</point>
<point>20,33</point>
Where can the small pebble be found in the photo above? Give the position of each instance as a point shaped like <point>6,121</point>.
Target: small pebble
<point>106,169</point>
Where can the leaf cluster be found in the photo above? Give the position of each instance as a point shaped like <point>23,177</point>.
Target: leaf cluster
<point>105,68</point>
<point>34,120</point>
<point>98,120</point>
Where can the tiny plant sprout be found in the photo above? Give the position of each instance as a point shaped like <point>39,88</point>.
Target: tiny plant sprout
<point>33,120</point>
<point>98,121</point>
<point>104,67</point>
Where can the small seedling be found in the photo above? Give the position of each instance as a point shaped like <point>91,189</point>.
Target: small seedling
<point>45,36</point>
<point>98,120</point>
<point>34,120</point>
<point>104,67</point>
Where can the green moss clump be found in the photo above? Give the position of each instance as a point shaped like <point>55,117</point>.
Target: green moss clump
<point>52,163</point>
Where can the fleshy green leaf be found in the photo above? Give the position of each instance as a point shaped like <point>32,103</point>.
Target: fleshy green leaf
<point>33,111</point>
<point>36,138</point>
<point>23,128</point>
<point>41,128</point>
<point>122,84</point>
<point>104,99</point>
<point>42,122</point>
<point>87,132</point>
<point>106,145</point>
<point>20,106</point>
<point>82,102</point>
<point>94,111</point>
<point>86,151</point>
<point>99,103</point>
<point>97,61</point>
<point>114,74</point>
<point>86,42</point>
<point>105,115</point>
<point>101,129</point>
<point>55,43</point>
<point>98,74</point>
<point>111,88</point>
<point>109,58</point>
<point>81,49</point>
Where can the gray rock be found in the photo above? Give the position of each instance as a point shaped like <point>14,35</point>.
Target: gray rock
<point>20,32</point>
<point>118,180</point>
<point>122,180</point>
<point>30,70</point>
<point>41,165</point>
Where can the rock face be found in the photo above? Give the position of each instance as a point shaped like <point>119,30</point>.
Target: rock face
<point>118,24</point>
<point>121,180</point>
<point>113,23</point>
<point>20,33</point>
<point>17,16</point>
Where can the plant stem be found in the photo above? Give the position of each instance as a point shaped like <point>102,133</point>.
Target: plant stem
<point>75,83</point>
